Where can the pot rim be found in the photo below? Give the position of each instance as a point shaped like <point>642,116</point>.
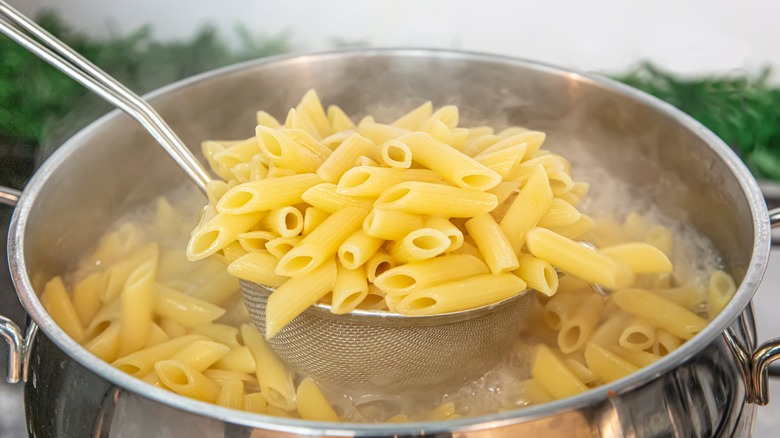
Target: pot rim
<point>747,288</point>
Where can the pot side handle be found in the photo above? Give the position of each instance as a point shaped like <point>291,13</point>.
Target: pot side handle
<point>19,344</point>
<point>767,353</point>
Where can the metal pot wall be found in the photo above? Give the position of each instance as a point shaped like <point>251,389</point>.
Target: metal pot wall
<point>708,387</point>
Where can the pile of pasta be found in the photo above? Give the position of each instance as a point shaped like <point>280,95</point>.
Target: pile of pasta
<point>379,216</point>
<point>417,217</point>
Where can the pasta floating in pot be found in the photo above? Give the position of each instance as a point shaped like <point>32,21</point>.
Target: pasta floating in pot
<point>418,216</point>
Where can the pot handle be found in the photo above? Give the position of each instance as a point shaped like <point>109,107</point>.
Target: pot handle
<point>768,352</point>
<point>19,344</point>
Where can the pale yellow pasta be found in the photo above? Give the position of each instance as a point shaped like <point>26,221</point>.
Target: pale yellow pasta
<point>311,404</point>
<point>366,161</point>
<point>221,376</point>
<point>343,156</point>
<point>224,334</point>
<point>389,224</point>
<point>379,132</point>
<point>534,392</point>
<point>685,296</point>
<point>106,344</point>
<point>325,198</point>
<point>265,119</point>
<point>285,221</point>
<point>576,331</point>
<point>665,343</point>
<point>253,241</point>
<point>115,245</point>
<point>560,214</point>
<point>349,289</point>
<point>375,300</point>
<point>157,336</point>
<point>492,243</point>
<point>637,335</point>
<point>582,372</point>
<point>580,229</point>
<point>256,403</point>
<point>301,122</point>
<point>463,294</point>
<point>312,218</point>
<point>504,160</point>
<point>560,309</point>
<point>445,226</point>
<point>440,132</point>
<point>638,358</point>
<point>175,263</point>
<point>468,247</point>
<point>230,253</point>
<point>322,243</point>
<point>414,118</point>
<point>641,257</point>
<point>141,362</point>
<point>201,354</point>
<point>660,312</point>
<point>231,395</point>
<point>396,154</point>
<point>420,244</point>
<point>185,310</point>
<point>257,168</point>
<point>282,245</point>
<point>137,300</point>
<point>221,286</point>
<point>538,274</point>
<point>275,172</point>
<point>339,120</point>
<point>507,139</point>
<point>86,296</point>
<point>118,272</point>
<point>312,107</point>
<point>607,365</point>
<point>186,381</point>
<point>172,328</point>
<point>573,258</point>
<point>451,164</point>
<point>378,264</point>
<point>219,232</point>
<point>275,381</point>
<point>355,251</point>
<point>372,181</point>
<point>241,152</point>
<point>257,267</point>
<point>298,293</point>
<point>266,194</point>
<point>504,191</point>
<point>448,115</point>
<point>721,289</point>
<point>436,200</point>
<point>211,148</point>
<point>530,205</point>
<point>553,375</point>
<point>403,279</point>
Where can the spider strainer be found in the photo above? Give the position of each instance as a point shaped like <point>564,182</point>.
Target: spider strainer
<point>390,352</point>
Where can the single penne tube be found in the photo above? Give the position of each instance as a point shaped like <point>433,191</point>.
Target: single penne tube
<point>266,194</point>
<point>219,232</point>
<point>238,359</point>
<point>502,161</point>
<point>640,257</point>
<point>538,274</point>
<point>257,267</point>
<point>639,359</point>
<point>534,392</point>
<point>378,264</point>
<point>253,241</point>
<point>379,132</point>
<point>504,190</point>
<point>637,335</point>
<point>284,221</point>
<point>201,354</point>
<point>420,244</point>
<point>56,301</point>
<point>186,381</point>
<point>575,332</point>
<point>531,204</point>
<point>388,224</point>
<point>581,371</point>
<point>607,365</point>
<point>322,243</point>
<point>608,333</point>
<point>231,395</point>
<point>258,169</point>
<point>265,119</point>
<point>119,271</point>
<point>373,181</point>
<point>86,296</point>
<point>366,162</point>
<point>553,374</point>
<point>106,344</point>
<point>221,376</point>
<point>507,139</point>
<point>211,148</point>
<point>255,403</point>
<point>296,294</point>
<point>224,334</point>
<point>721,289</point>
<point>282,245</point>
<point>355,251</point>
<point>436,200</point>
<point>492,243</point>
<point>469,248</point>
<point>312,218</point>
<point>311,404</point>
<point>311,106</point>
<point>665,343</point>
<point>375,300</point>
<point>107,315</point>
<point>230,253</point>
<point>476,145</point>
<point>560,214</point>
<point>349,289</point>
<point>274,378</point>
<point>440,132</point>
<point>561,309</point>
<point>308,141</point>
<point>581,228</point>
<point>453,165</point>
<point>403,279</point>
<point>141,362</point>
<point>660,312</point>
<point>220,287</point>
<point>448,114</point>
<point>414,118</point>
<point>166,219</point>
<point>325,198</point>
<point>137,305</point>
<point>463,294</point>
<point>284,152</point>
<point>339,120</point>
<point>448,228</point>
<point>396,154</point>
<point>275,172</point>
<point>184,309</point>
<point>687,297</point>
<point>354,146</point>
<point>215,190</point>
<point>334,140</point>
<point>241,152</point>
<point>572,258</point>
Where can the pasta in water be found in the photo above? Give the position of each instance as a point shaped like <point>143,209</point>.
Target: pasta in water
<point>417,216</point>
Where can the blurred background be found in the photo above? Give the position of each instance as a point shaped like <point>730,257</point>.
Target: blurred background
<point>713,59</point>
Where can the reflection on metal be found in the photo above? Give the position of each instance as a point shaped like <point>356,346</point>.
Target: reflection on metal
<point>11,333</point>
<point>743,360</point>
<point>766,354</point>
<point>9,196</point>
<point>774,217</point>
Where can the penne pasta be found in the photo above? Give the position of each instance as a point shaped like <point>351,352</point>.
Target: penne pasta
<point>57,303</point>
<point>436,200</point>
<point>660,312</point>
<point>463,294</point>
<point>492,243</point>
<point>324,197</point>
<point>553,375</point>
<point>420,244</point>
<point>349,289</point>
<point>538,274</point>
<point>358,248</point>
<point>266,194</point>
<point>340,161</point>
<point>275,381</point>
<point>257,267</point>
<point>530,205</point>
<point>404,279</point>
<point>181,308</point>
<point>311,404</point>
<point>372,181</point>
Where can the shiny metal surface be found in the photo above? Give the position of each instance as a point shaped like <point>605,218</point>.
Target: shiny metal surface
<point>9,196</point>
<point>687,172</point>
<point>13,336</point>
<point>68,61</point>
<point>390,352</point>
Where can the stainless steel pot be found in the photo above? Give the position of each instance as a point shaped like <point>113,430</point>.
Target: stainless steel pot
<point>709,387</point>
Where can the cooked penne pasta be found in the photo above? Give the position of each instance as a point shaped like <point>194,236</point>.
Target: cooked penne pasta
<point>414,118</point>
<point>275,381</point>
<point>641,257</point>
<point>576,331</point>
<point>436,200</point>
<point>355,251</point>
<point>389,224</point>
<point>349,289</point>
<point>530,205</point>
<point>339,120</point>
<point>137,304</point>
<point>231,395</point>
<point>553,375</point>
<point>373,181</point>
<point>324,197</point>
<point>311,404</point>
<point>660,312</point>
<point>637,335</point>
<point>378,264</point>
<point>57,303</point>
<point>396,154</point>
<point>266,194</point>
<point>282,245</point>
<point>285,221</point>
<point>492,243</point>
<point>451,231</point>
<point>607,365</point>
<point>420,244</point>
<point>538,274</point>
<point>257,267</point>
<point>186,381</point>
<point>560,214</point>
<point>218,232</point>
<point>467,293</point>
<point>340,161</point>
<point>404,279</point>
<point>181,308</point>
<point>721,290</point>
